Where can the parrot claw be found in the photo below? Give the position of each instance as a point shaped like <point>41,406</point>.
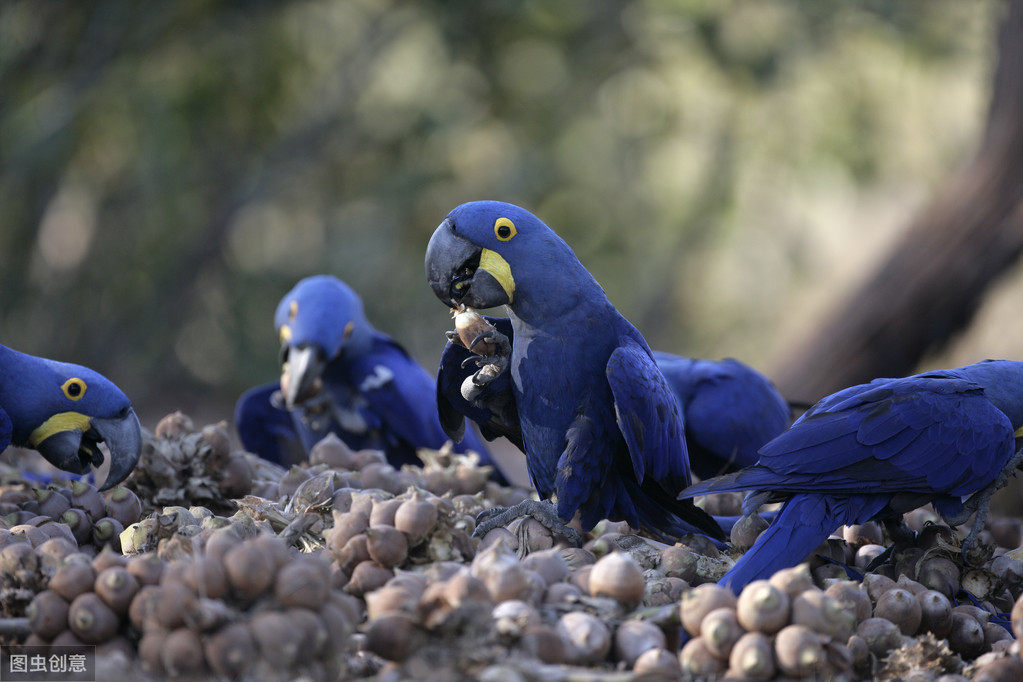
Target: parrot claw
<point>544,512</point>
<point>497,338</point>
<point>980,504</point>
<point>454,338</point>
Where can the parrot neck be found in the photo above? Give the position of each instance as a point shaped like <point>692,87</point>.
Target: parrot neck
<point>573,293</point>
<point>20,377</point>
<point>1003,386</point>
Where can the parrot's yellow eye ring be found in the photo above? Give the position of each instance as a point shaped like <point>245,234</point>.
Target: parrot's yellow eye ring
<point>504,229</point>
<point>292,311</point>
<point>74,388</point>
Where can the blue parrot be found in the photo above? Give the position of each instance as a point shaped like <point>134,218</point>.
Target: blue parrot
<point>601,428</point>
<point>340,375</point>
<point>876,451</point>
<point>64,411</point>
<point>728,408</point>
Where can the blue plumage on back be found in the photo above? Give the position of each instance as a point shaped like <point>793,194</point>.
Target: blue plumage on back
<point>342,376</point>
<point>878,450</point>
<point>598,420</point>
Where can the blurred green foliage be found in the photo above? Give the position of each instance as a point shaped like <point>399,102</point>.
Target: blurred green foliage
<point>169,170</point>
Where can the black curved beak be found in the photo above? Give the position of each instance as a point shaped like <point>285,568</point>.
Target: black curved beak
<point>454,273</point>
<point>123,437</point>
<point>77,451</point>
<point>301,379</point>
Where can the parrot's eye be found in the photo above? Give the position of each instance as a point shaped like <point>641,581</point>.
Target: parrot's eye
<point>292,311</point>
<point>348,330</point>
<point>74,388</point>
<point>504,229</point>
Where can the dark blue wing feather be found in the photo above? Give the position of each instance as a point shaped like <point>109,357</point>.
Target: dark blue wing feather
<point>265,429</point>
<point>493,410</point>
<point>403,395</point>
<point>730,411</point>
<point>5,429</point>
<point>648,417</point>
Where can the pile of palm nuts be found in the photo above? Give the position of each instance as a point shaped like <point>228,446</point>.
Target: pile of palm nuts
<point>346,568</point>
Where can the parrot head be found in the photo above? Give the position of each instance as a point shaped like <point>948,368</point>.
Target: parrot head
<point>64,411</point>
<point>489,253</point>
<point>317,320</point>
<point>1003,386</point>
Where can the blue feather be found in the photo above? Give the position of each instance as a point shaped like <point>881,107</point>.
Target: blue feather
<point>346,378</point>
<point>940,437</point>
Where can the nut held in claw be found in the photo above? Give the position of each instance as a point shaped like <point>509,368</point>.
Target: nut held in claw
<point>469,324</point>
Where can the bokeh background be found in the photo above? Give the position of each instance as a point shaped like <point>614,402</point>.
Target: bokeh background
<point>729,171</point>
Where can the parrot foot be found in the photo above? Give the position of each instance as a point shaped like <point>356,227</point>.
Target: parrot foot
<point>544,512</point>
<point>901,536</point>
<point>980,503</point>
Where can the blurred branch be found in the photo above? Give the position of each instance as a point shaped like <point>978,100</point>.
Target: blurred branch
<point>933,281</point>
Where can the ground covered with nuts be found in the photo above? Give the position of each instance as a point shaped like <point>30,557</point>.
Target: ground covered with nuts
<point>208,563</point>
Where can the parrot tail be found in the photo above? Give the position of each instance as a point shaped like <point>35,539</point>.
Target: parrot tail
<point>802,524</point>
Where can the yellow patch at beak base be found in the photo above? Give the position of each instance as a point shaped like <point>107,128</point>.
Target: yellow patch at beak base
<point>58,423</point>
<point>498,267</point>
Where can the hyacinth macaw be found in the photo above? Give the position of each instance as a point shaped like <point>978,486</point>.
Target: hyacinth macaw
<point>342,376</point>
<point>728,408</point>
<point>876,451</point>
<point>64,411</point>
<point>601,428</point>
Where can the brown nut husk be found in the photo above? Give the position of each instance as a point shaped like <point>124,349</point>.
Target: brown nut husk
<point>633,638</point>
<point>147,568</point>
<point>469,324</point>
<point>142,610</point>
<point>543,643</point>
<point>331,451</point>
<point>206,577</point>
<point>752,657</point>
<point>182,654</point>
<point>618,576</point>
<point>799,651</point>
<point>124,505</point>
<point>116,587</point>
<point>935,613</point>
<point>47,614</point>
<point>698,662</point>
<point>793,581</point>
<point>250,570</point>
<point>150,649</point>
<point>679,562</point>
<point>720,630</point>
<point>939,573</point>
<point>368,576</point>
<point>304,582</point>
<point>231,650</point>
<point>701,600</point>
<point>393,636</point>
<point>416,518</point>
<point>588,637</point>
<point>91,619</point>
<point>823,615</point>
<point>278,641</point>
<point>386,545</point>
<point>86,497</point>
<point>852,597</point>
<point>880,635</point>
<point>762,607</point>
<point>966,637</point>
<point>72,579</point>
<point>746,530</point>
<point>900,607</point>
<point>657,664</point>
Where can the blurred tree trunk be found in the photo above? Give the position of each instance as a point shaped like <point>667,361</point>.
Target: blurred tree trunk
<point>932,282</point>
